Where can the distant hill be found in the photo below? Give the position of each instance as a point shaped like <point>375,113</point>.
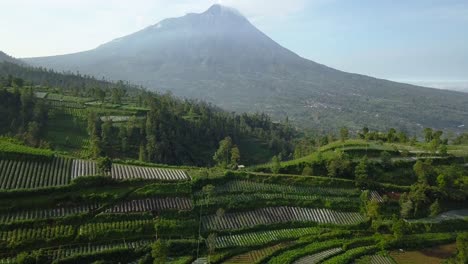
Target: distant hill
<point>219,56</point>
<point>7,58</point>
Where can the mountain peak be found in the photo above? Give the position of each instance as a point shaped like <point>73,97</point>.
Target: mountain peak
<point>220,10</point>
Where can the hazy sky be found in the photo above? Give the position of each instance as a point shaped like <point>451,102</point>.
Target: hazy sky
<point>395,39</point>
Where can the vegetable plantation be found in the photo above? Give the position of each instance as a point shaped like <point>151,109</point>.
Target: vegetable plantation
<point>19,174</point>
<point>88,248</point>
<point>318,257</point>
<point>263,237</point>
<point>122,172</point>
<point>152,204</point>
<point>242,186</point>
<point>46,213</point>
<point>43,233</point>
<point>283,214</point>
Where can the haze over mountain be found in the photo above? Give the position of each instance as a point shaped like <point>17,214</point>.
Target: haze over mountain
<point>219,56</point>
<point>7,58</point>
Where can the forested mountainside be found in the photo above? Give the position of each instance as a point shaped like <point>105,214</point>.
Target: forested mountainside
<point>72,112</point>
<point>5,57</point>
<point>219,56</point>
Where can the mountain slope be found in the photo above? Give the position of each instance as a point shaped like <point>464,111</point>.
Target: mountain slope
<point>7,58</point>
<point>220,57</point>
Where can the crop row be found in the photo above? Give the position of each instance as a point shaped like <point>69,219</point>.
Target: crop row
<point>118,171</point>
<point>379,259</point>
<point>250,186</point>
<point>17,174</point>
<point>37,214</point>
<point>97,228</point>
<point>316,247</point>
<point>43,233</point>
<point>263,237</point>
<point>375,196</point>
<point>351,254</point>
<point>152,204</point>
<point>65,104</point>
<point>255,256</point>
<point>318,257</point>
<point>283,214</point>
<point>252,197</point>
<point>94,248</point>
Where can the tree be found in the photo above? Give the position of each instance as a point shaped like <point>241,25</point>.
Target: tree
<point>32,134</point>
<point>462,247</point>
<point>219,215</point>
<point>307,171</point>
<point>386,159</point>
<point>95,146</point>
<point>275,164</point>
<point>211,243</point>
<point>339,165</point>
<point>435,208</point>
<point>402,137</point>
<point>17,82</point>
<point>360,173</point>
<point>391,135</point>
<point>222,155</point>
<point>373,209</point>
<point>399,228</point>
<point>141,153</point>
<point>235,156</point>
<point>443,150</point>
<point>208,191</point>
<point>407,208</point>
<point>104,165</point>
<point>25,258</point>
<point>427,134</point>
<point>424,171</point>
<point>159,251</point>
<point>100,94</point>
<point>419,198</point>
<point>344,134</point>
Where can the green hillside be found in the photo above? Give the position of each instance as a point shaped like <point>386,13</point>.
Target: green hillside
<point>100,172</point>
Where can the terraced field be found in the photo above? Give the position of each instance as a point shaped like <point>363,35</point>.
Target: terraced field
<point>274,215</point>
<point>241,186</point>
<point>255,256</point>
<point>256,197</point>
<point>88,248</point>
<point>318,257</point>
<point>152,204</point>
<point>19,174</point>
<point>87,167</point>
<point>379,259</point>
<point>44,234</point>
<point>38,214</point>
<point>263,237</point>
